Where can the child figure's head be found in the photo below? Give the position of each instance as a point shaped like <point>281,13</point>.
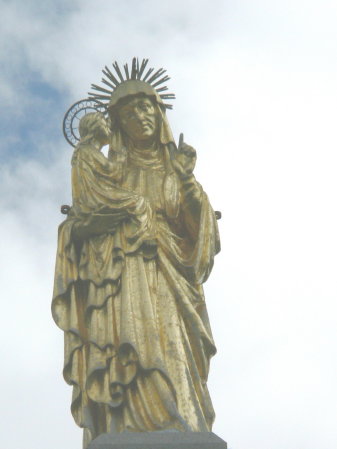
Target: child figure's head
<point>94,126</point>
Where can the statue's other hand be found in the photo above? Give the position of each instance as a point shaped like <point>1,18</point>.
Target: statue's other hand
<point>184,160</point>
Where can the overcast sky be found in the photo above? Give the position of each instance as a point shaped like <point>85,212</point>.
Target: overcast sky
<point>256,91</point>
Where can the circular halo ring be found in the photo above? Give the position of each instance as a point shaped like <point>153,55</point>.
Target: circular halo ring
<point>73,116</point>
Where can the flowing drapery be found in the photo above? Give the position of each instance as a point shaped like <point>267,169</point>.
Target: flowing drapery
<point>130,301</point>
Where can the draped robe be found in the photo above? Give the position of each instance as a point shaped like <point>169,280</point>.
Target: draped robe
<point>130,301</point>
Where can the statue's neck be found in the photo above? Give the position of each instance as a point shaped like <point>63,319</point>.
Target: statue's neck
<point>144,146</point>
<point>145,155</point>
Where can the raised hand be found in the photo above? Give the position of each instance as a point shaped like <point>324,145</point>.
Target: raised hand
<point>184,159</point>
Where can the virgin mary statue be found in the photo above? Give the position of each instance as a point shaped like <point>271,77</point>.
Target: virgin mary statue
<point>133,253</point>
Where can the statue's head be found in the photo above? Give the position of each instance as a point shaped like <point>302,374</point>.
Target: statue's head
<point>135,103</point>
<point>94,126</point>
<point>136,108</point>
<point>139,118</point>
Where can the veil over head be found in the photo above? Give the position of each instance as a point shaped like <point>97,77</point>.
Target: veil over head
<point>128,90</point>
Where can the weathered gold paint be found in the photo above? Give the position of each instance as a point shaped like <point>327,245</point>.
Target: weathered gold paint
<point>132,255</point>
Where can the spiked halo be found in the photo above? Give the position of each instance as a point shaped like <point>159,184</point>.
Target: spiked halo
<point>104,95</point>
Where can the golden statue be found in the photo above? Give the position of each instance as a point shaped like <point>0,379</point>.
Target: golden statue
<point>133,253</point>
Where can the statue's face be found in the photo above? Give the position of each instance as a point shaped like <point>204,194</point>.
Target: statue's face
<point>102,131</point>
<point>139,119</point>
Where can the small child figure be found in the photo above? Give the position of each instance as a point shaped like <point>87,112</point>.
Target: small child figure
<point>97,198</point>
<point>93,175</point>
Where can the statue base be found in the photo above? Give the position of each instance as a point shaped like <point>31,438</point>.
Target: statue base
<point>158,440</point>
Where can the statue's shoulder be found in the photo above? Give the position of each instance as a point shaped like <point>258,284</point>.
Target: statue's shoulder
<point>84,153</point>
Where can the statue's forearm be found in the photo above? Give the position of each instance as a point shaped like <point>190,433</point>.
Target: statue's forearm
<point>106,219</point>
<point>192,195</point>
<point>96,224</point>
<point>192,199</point>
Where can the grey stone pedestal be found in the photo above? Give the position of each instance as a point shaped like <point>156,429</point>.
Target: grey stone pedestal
<point>158,440</point>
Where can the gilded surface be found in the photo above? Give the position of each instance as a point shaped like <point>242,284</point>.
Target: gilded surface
<point>132,255</point>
